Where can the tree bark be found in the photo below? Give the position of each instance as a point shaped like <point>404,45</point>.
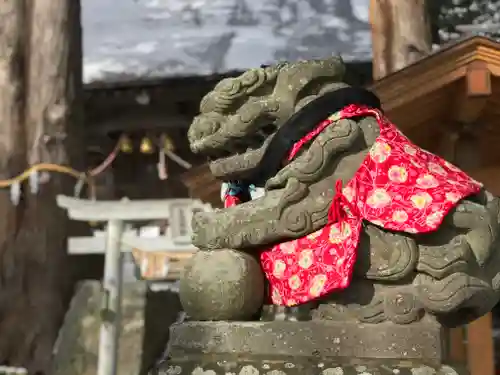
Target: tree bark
<point>40,121</point>
<point>401,34</point>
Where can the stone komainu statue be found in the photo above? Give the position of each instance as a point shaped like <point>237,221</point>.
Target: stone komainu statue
<point>335,219</point>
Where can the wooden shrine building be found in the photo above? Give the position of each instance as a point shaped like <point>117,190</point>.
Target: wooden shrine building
<point>449,104</point>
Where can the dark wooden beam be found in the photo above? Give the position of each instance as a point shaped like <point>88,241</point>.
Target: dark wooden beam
<point>480,350</point>
<point>457,348</point>
<point>203,185</point>
<point>137,122</point>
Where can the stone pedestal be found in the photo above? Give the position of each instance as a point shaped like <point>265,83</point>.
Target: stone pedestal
<point>307,348</point>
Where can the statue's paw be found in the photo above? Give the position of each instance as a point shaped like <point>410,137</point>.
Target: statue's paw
<point>384,255</point>
<point>459,295</point>
<point>368,302</point>
<point>440,261</point>
<point>480,223</point>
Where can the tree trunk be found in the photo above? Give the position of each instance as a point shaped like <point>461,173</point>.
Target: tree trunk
<point>40,121</point>
<point>401,34</point>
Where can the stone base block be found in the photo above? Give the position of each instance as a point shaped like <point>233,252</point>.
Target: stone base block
<point>234,365</point>
<point>306,348</point>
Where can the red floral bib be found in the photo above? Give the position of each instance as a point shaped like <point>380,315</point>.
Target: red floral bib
<point>399,187</point>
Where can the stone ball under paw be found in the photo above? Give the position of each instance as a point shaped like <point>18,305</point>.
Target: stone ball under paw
<point>222,285</point>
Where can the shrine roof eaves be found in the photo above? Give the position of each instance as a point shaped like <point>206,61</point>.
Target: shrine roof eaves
<point>439,69</point>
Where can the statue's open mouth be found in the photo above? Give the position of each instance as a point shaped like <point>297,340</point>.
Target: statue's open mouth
<point>236,158</point>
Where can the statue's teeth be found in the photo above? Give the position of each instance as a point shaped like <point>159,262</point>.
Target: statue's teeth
<point>257,192</point>
<point>223,191</point>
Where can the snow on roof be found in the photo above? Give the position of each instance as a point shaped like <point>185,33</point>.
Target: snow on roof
<point>452,14</point>
<point>136,39</point>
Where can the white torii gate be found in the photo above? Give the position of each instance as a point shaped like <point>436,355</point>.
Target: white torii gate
<point>116,213</point>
